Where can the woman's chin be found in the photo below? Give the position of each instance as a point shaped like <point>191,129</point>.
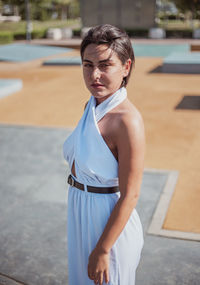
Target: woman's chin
<point>101,98</point>
<point>98,94</point>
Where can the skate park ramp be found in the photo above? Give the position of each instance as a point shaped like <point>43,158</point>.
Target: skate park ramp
<point>26,52</point>
<point>9,86</point>
<point>182,62</point>
<point>62,61</point>
<point>189,102</point>
<point>158,50</point>
<point>151,50</point>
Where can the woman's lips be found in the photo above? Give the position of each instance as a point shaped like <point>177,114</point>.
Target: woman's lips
<point>97,85</point>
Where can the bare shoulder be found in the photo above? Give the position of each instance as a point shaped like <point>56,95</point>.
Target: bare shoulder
<point>131,117</point>
<point>129,121</point>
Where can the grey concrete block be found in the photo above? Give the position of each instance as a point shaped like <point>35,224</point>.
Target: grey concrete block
<point>67,33</point>
<point>54,34</point>
<point>196,34</point>
<point>157,33</point>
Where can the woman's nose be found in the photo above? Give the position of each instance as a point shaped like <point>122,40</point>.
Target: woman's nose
<point>96,73</point>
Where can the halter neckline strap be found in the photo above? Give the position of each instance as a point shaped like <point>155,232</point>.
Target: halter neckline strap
<point>110,103</point>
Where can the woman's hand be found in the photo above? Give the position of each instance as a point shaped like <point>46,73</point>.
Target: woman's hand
<point>98,266</point>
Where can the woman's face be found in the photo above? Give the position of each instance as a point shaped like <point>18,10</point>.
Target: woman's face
<point>103,71</point>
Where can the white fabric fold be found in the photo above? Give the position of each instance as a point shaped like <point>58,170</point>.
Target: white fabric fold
<point>87,148</point>
<point>110,103</point>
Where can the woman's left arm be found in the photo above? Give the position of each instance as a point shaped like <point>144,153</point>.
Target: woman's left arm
<point>131,147</point>
<point>130,141</point>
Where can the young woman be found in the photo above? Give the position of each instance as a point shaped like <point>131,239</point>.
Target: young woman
<point>106,156</point>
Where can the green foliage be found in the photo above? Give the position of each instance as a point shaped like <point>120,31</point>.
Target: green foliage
<point>187,5</point>
<point>42,9</point>
<point>77,32</point>
<point>40,13</point>
<point>6,37</point>
<point>38,8</point>
<point>178,24</point>
<point>74,10</point>
<point>39,34</point>
<point>19,35</point>
<point>177,33</point>
<point>62,2</point>
<point>10,31</point>
<point>22,2</point>
<point>37,25</point>
<point>36,34</point>
<point>12,26</point>
<point>138,33</point>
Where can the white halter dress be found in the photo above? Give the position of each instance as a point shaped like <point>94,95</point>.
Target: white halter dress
<point>88,212</point>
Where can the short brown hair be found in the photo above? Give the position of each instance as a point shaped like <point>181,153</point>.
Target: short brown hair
<point>116,39</point>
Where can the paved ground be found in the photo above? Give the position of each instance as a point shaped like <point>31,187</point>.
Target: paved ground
<point>33,213</point>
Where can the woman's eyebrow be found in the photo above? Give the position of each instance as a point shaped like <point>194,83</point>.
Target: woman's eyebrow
<point>105,60</point>
<point>87,60</point>
<point>101,61</point>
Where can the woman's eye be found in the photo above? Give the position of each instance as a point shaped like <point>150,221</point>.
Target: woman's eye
<point>104,65</point>
<point>87,65</point>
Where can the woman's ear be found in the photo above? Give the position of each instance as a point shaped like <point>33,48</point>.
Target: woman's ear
<point>127,67</point>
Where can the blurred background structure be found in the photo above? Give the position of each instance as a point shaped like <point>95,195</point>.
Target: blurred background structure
<point>178,18</point>
<point>140,14</point>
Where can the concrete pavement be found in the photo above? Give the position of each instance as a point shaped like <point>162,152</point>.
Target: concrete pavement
<point>33,213</point>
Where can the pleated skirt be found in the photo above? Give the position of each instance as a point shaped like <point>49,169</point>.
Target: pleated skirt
<point>87,216</point>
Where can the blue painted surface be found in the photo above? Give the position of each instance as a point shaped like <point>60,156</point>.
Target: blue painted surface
<point>183,58</point>
<point>145,50</point>
<point>9,86</point>
<point>26,52</point>
<point>75,60</point>
<point>158,50</point>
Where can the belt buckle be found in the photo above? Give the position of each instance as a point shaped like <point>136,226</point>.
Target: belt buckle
<point>71,181</point>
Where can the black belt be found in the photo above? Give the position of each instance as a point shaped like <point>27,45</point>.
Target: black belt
<point>100,190</point>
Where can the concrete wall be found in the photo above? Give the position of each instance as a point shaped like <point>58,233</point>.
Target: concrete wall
<point>124,13</point>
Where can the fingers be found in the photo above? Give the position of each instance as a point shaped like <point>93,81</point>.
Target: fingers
<point>106,274</point>
<point>98,276</point>
<point>98,279</point>
<point>91,275</point>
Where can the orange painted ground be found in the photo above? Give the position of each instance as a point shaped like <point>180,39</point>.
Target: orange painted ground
<point>55,97</point>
